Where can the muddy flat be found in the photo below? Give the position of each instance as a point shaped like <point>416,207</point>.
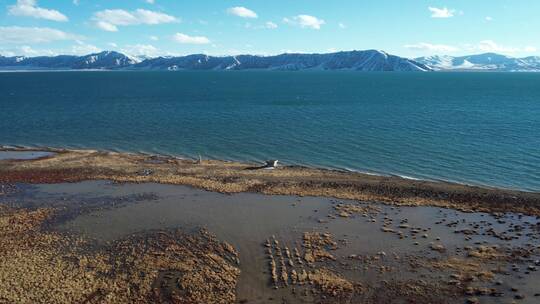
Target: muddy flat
<point>275,248</point>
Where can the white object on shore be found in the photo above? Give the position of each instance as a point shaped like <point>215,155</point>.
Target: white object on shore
<point>271,164</point>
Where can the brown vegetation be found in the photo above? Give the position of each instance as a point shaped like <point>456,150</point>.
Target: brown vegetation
<point>232,177</point>
<point>160,267</point>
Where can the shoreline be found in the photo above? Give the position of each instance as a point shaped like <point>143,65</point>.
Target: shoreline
<point>70,165</point>
<point>346,170</point>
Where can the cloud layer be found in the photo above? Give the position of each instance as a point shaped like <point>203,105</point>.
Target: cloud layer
<point>186,39</point>
<point>241,11</point>
<point>438,48</point>
<point>110,20</point>
<point>441,12</point>
<point>305,21</point>
<point>29,8</point>
<point>484,46</point>
<point>29,35</point>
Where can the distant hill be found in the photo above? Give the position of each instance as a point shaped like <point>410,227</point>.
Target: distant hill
<point>104,60</point>
<point>355,60</point>
<point>370,60</point>
<point>482,62</point>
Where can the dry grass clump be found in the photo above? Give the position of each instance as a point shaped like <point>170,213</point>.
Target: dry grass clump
<point>33,266</point>
<point>329,284</point>
<point>346,210</point>
<point>485,253</point>
<point>45,267</point>
<point>464,270</point>
<point>317,246</point>
<point>412,291</point>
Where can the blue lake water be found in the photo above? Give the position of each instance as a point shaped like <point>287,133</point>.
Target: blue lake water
<point>476,128</point>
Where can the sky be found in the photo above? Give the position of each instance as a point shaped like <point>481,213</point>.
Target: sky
<point>409,28</point>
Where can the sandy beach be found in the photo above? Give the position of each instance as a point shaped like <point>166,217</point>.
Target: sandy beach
<point>104,227</point>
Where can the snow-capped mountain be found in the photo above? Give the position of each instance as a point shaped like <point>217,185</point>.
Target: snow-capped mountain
<point>370,60</point>
<point>104,60</point>
<point>354,60</point>
<point>482,62</point>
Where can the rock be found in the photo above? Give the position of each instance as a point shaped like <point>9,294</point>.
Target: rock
<point>473,301</point>
<point>344,214</point>
<point>438,247</point>
<point>385,229</point>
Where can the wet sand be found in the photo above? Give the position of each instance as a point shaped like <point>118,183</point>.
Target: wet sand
<point>351,251</point>
<point>233,177</point>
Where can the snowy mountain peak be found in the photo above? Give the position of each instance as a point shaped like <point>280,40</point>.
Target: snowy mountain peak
<point>482,62</point>
<point>369,60</point>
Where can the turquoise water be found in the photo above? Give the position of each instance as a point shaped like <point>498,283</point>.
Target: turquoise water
<point>476,128</point>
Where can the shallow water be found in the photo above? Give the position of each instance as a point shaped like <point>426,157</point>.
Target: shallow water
<point>23,155</point>
<point>247,220</point>
<point>479,128</point>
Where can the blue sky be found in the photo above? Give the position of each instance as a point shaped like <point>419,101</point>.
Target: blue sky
<point>409,28</point>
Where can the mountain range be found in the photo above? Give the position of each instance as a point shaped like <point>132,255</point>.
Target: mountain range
<point>482,62</point>
<point>370,60</point>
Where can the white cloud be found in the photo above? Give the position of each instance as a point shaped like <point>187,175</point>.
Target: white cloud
<point>154,38</point>
<point>490,46</point>
<point>109,20</point>
<point>186,39</point>
<point>17,34</point>
<point>267,25</point>
<point>106,26</point>
<point>241,11</point>
<point>26,51</point>
<point>423,46</point>
<point>112,44</point>
<point>138,50</point>
<point>150,1</point>
<point>29,8</point>
<point>81,48</point>
<point>342,25</point>
<point>488,18</point>
<point>76,2</point>
<point>484,46</point>
<point>441,12</point>
<point>305,21</point>
<point>270,25</point>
